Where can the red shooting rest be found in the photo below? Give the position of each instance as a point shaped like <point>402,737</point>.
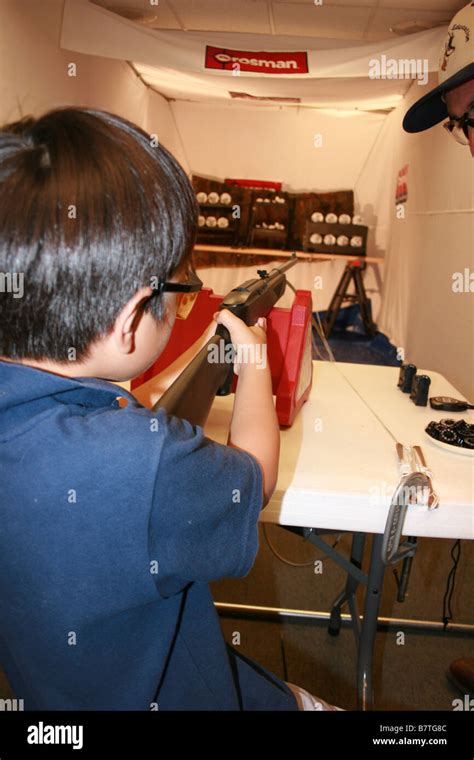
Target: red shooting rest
<point>288,349</point>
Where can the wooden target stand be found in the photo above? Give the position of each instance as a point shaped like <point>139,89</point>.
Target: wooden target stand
<point>352,273</point>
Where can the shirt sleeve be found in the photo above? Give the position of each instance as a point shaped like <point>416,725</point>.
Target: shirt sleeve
<point>206,503</point>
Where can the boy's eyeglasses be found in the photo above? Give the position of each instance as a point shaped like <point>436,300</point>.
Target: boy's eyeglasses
<point>458,128</point>
<point>188,292</point>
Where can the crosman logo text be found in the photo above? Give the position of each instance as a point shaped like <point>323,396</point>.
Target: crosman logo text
<point>262,63</point>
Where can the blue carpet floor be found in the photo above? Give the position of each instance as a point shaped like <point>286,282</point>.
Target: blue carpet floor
<point>349,342</point>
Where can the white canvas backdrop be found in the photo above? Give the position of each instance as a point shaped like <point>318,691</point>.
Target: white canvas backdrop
<point>174,61</point>
<point>305,149</point>
<point>281,144</point>
<point>421,313</point>
<point>35,79</point>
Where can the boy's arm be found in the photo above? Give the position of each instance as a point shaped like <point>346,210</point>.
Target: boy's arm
<point>254,426</point>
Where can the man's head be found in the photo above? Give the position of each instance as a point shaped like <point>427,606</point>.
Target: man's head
<point>453,99</point>
<point>460,107</point>
<point>92,212</point>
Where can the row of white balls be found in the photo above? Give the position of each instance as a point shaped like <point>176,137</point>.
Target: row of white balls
<point>355,241</point>
<point>212,221</point>
<point>265,226</point>
<point>330,218</point>
<point>214,198</point>
<point>276,199</point>
<point>226,199</point>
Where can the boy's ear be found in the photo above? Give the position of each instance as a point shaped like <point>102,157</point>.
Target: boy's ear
<point>127,321</point>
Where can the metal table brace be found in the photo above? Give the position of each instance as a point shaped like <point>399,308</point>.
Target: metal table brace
<point>364,631</point>
<point>387,549</point>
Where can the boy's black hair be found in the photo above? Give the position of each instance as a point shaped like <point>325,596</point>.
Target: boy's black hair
<point>91,208</point>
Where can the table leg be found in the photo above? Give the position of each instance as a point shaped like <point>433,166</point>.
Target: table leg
<point>369,625</point>
<point>348,593</point>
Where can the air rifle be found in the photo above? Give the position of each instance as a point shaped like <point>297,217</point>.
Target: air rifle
<point>192,393</point>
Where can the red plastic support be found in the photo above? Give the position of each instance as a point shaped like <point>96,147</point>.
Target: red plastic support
<point>288,349</point>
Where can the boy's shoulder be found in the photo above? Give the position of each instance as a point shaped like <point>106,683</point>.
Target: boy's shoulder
<point>132,472</point>
<point>90,423</point>
<point>28,394</point>
<point>94,421</point>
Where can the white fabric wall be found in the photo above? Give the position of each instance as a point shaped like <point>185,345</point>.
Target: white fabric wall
<point>277,143</point>
<point>373,191</point>
<point>34,74</point>
<point>420,311</point>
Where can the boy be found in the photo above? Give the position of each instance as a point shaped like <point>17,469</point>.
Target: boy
<point>113,518</point>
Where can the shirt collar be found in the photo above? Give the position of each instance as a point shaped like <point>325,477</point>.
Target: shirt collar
<point>22,383</point>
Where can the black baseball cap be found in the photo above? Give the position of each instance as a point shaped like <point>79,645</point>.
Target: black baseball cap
<point>456,67</point>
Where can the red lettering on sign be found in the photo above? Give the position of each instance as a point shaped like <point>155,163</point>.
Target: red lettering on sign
<point>257,62</point>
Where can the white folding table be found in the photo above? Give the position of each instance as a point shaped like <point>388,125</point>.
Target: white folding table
<point>339,470</point>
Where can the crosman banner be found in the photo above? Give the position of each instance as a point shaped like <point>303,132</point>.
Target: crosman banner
<point>225,66</point>
<point>256,62</point>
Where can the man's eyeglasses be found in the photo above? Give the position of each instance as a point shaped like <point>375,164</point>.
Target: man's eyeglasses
<point>188,292</point>
<point>458,128</point>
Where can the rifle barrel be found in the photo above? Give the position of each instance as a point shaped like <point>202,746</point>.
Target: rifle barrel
<point>290,263</point>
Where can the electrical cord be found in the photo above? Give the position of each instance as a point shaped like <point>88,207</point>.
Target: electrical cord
<point>280,556</point>
<point>450,583</point>
<point>289,561</point>
<point>315,330</point>
<point>319,329</point>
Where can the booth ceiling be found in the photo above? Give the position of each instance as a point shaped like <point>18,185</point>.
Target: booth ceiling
<point>313,53</point>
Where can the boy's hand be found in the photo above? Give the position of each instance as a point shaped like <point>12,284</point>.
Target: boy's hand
<point>244,336</point>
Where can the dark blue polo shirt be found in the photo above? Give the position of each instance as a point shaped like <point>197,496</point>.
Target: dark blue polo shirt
<point>112,522</point>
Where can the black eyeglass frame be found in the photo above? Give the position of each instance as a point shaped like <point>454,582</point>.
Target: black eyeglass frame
<point>464,121</point>
<point>192,285</point>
